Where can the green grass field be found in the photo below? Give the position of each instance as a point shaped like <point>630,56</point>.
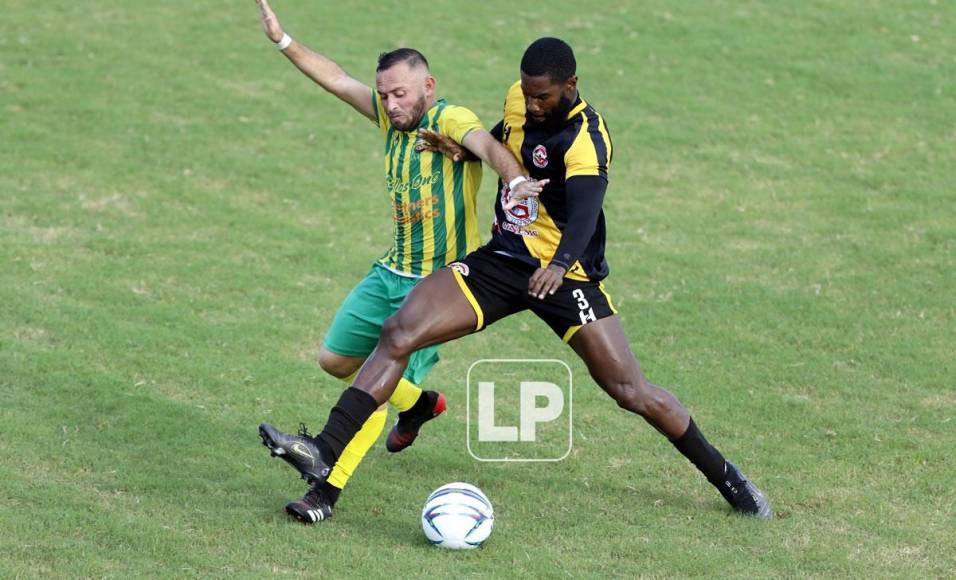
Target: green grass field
<point>181,212</point>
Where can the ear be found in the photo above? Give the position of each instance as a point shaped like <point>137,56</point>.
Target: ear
<point>571,85</point>
<point>429,85</point>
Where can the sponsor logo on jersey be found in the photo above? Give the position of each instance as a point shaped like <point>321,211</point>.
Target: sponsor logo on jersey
<point>519,230</point>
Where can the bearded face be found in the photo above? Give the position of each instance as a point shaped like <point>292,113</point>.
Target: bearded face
<point>547,103</point>
<point>406,94</point>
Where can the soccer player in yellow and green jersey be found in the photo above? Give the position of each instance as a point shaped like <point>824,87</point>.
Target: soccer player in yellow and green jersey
<point>433,206</point>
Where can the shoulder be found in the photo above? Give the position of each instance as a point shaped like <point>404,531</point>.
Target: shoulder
<point>590,150</point>
<point>514,90</point>
<point>586,117</point>
<point>456,115</point>
<point>514,102</point>
<point>456,111</point>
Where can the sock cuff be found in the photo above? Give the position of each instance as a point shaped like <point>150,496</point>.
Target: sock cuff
<point>691,433</point>
<point>358,402</point>
<point>346,418</point>
<point>695,447</point>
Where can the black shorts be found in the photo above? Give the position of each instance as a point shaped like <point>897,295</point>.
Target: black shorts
<point>497,286</point>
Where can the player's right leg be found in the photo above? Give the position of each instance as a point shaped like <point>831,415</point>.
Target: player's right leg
<point>604,348</point>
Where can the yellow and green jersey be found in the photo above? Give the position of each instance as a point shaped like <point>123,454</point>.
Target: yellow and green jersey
<point>433,198</point>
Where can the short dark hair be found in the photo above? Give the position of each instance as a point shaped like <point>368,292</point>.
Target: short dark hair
<point>387,60</point>
<point>549,56</point>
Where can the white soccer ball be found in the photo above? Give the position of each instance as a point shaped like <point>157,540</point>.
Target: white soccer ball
<point>458,516</point>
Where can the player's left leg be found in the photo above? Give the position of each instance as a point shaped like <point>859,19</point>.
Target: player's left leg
<point>604,348</point>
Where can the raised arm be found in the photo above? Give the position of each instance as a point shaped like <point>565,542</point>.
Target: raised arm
<point>489,150</point>
<point>321,69</point>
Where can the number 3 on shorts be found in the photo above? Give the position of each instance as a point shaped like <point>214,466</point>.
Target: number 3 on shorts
<point>586,312</point>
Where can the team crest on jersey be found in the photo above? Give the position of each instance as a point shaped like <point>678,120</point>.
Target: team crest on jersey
<point>460,267</point>
<point>540,157</point>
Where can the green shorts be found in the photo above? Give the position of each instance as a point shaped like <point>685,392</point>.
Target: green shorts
<point>357,324</point>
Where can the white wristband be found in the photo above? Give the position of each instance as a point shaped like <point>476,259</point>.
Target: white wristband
<point>284,42</point>
<point>514,182</point>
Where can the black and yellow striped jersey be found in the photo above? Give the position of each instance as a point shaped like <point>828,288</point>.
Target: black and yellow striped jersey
<point>433,198</point>
<point>532,230</point>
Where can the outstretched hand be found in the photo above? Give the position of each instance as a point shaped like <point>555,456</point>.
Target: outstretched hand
<point>429,140</point>
<point>528,188</point>
<point>546,281</point>
<point>270,24</point>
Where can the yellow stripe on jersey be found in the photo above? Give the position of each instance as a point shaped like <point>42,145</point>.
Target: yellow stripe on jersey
<point>602,128</point>
<point>428,208</point>
<point>451,216</point>
<point>406,160</point>
<point>472,183</point>
<point>583,156</point>
<point>576,110</point>
<point>461,208</point>
<point>514,117</point>
<point>543,245</point>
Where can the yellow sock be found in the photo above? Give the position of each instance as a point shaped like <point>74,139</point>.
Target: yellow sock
<point>355,451</point>
<point>405,395</point>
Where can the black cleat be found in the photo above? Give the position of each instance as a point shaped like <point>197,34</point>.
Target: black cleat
<point>299,451</point>
<point>406,428</point>
<point>312,508</point>
<point>743,495</point>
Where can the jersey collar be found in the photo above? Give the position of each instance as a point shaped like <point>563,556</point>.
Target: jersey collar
<point>424,123</point>
<point>579,106</point>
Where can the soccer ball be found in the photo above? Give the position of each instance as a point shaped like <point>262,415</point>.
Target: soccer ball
<point>457,516</point>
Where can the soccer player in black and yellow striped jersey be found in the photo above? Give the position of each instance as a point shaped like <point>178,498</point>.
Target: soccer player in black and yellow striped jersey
<point>546,255</point>
<point>433,201</point>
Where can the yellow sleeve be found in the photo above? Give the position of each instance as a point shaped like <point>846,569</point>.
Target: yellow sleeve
<point>590,153</point>
<point>456,122</point>
<point>381,119</point>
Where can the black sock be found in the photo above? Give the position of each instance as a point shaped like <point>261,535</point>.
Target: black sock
<point>331,493</point>
<point>702,454</point>
<point>346,419</point>
<point>423,406</point>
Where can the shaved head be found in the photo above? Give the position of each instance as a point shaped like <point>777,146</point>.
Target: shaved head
<point>415,59</point>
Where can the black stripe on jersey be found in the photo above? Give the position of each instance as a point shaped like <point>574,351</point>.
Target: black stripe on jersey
<point>600,147</point>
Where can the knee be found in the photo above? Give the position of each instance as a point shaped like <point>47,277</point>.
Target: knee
<point>637,397</point>
<point>337,365</point>
<point>397,337</point>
